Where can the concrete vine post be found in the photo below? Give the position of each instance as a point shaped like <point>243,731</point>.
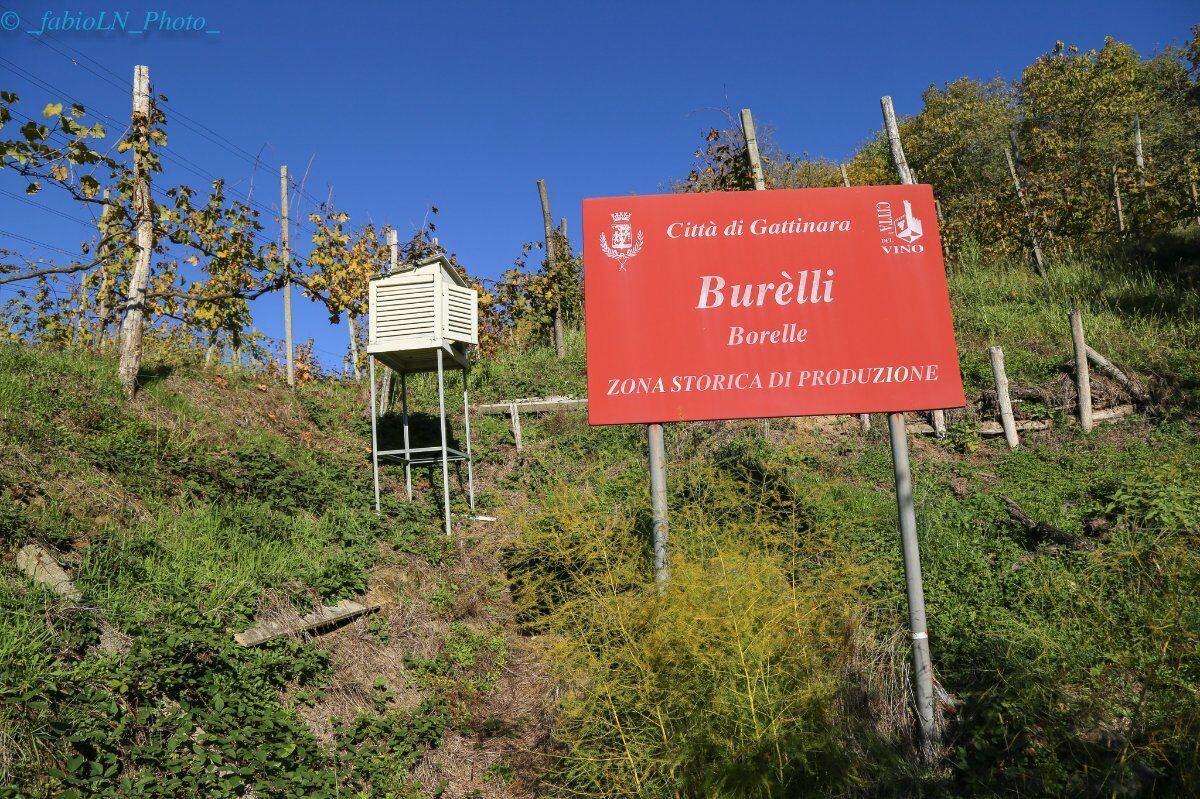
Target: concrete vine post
<point>908,179</point>
<point>287,267</point>
<point>135,309</point>
<point>557,337</point>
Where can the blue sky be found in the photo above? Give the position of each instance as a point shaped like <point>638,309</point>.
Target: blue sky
<point>464,105</point>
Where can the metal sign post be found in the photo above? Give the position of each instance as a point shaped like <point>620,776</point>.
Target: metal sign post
<point>922,668</point>
<point>658,502</point>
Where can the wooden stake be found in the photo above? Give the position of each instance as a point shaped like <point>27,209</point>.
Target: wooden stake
<point>908,179</point>
<point>323,616</point>
<point>1138,157</point>
<point>40,566</point>
<point>1116,190</point>
<point>893,134</point>
<point>143,207</point>
<point>287,286</point>
<point>1038,260</point>
<point>557,337</point>
<point>759,183</point>
<point>387,384</point>
<point>353,346</point>
<point>1109,368</point>
<point>1195,196</point>
<point>1083,382</point>
<point>514,416</point>
<point>1005,402</point>
<point>751,137</point>
<point>937,206</point>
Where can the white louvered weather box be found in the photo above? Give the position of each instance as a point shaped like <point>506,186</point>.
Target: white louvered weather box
<point>423,320</point>
<point>418,312</point>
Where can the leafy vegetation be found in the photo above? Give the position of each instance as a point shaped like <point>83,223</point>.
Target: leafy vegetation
<point>773,665</point>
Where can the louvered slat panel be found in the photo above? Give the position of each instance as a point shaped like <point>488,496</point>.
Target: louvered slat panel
<point>405,309</point>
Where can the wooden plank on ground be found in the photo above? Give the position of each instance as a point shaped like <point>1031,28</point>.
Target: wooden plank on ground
<point>322,617</point>
<point>40,566</point>
<point>1112,414</point>
<point>534,405</point>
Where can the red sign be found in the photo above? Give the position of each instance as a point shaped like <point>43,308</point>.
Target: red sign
<point>753,304</point>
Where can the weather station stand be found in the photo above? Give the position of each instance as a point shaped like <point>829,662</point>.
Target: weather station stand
<point>422,320</point>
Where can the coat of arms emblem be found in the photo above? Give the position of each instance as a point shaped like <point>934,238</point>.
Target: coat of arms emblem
<point>624,245</point>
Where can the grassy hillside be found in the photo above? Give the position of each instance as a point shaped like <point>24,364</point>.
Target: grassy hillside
<point>213,500</point>
<point>533,656</point>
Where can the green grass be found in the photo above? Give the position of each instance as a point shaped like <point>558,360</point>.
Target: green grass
<point>178,518</point>
<point>775,664</point>
<point>1078,670</point>
<point>1134,313</point>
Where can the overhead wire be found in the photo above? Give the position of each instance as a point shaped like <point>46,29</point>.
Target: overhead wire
<point>256,161</point>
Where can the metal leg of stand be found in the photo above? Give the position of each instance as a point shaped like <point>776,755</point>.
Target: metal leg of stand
<point>467,433</point>
<point>404,417</point>
<point>374,437</point>
<point>445,453</point>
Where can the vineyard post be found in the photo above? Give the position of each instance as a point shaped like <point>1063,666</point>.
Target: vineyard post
<point>562,234</point>
<point>907,178</point>
<point>1003,399</point>
<point>556,333</point>
<point>287,270</point>
<point>1192,185</point>
<point>658,503</point>
<point>760,184</point>
<point>386,385</point>
<point>135,308</point>
<point>514,416</point>
<point>1139,157</point>
<point>937,207</point>
<point>922,666</point>
<point>1083,381</point>
<point>1116,190</point>
<point>751,137</point>
<point>864,419</point>
<point>1038,260</point>
<point>102,309</point>
<point>353,344</point>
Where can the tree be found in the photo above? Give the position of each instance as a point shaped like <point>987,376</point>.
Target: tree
<point>342,268</point>
<point>217,236</point>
